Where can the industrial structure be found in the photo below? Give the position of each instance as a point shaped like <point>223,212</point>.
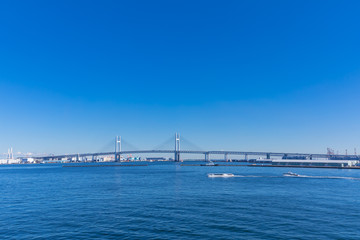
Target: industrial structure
<point>10,158</point>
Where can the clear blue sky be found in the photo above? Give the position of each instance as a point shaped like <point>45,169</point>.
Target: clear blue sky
<point>242,75</point>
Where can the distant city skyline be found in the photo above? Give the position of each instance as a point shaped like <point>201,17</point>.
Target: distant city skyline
<point>241,75</point>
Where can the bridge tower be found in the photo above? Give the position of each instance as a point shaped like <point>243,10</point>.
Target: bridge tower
<point>177,147</point>
<point>117,148</point>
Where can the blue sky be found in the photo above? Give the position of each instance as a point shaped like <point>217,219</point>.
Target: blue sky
<point>241,75</point>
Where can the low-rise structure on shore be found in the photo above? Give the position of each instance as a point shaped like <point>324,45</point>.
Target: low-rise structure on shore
<point>330,163</point>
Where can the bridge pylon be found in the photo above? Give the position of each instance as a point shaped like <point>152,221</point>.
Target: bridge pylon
<point>117,148</point>
<point>177,147</point>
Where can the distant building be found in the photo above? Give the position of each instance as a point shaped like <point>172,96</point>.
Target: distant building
<point>155,159</point>
<point>261,160</point>
<point>133,159</point>
<point>330,163</point>
<point>3,161</point>
<point>108,159</point>
<point>26,160</point>
<point>9,161</point>
<point>345,158</point>
<point>294,157</point>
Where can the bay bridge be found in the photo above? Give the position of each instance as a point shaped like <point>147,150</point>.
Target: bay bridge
<point>178,152</point>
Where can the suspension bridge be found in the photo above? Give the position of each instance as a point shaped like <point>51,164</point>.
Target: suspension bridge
<point>178,152</point>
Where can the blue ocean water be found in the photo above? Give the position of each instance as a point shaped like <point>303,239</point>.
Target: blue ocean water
<point>169,201</point>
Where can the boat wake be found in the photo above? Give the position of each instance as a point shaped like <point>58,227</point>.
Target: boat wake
<point>298,176</point>
<point>327,177</point>
<point>254,176</point>
<point>291,174</point>
<point>287,175</point>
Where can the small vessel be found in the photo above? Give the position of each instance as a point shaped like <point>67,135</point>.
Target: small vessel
<point>209,164</point>
<point>291,174</point>
<point>224,175</point>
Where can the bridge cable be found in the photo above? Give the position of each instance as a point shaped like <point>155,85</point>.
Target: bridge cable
<point>165,144</point>
<point>191,145</point>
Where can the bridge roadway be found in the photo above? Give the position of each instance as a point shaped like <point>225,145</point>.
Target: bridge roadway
<point>267,154</point>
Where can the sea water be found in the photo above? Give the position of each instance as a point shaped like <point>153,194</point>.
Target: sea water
<point>170,201</point>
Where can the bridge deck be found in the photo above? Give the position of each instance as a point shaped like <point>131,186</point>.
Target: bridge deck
<point>194,152</point>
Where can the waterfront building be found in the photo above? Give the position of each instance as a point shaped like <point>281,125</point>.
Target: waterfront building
<point>330,163</point>
<point>27,160</point>
<point>155,159</point>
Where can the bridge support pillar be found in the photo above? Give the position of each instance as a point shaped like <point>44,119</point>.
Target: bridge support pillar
<point>207,157</point>
<point>268,156</point>
<point>246,157</point>
<point>177,156</point>
<point>226,157</point>
<point>117,157</point>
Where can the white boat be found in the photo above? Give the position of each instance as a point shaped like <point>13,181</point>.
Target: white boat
<point>291,174</point>
<point>223,175</point>
<point>209,164</point>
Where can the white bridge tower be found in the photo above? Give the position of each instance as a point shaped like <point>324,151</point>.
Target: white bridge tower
<point>177,147</point>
